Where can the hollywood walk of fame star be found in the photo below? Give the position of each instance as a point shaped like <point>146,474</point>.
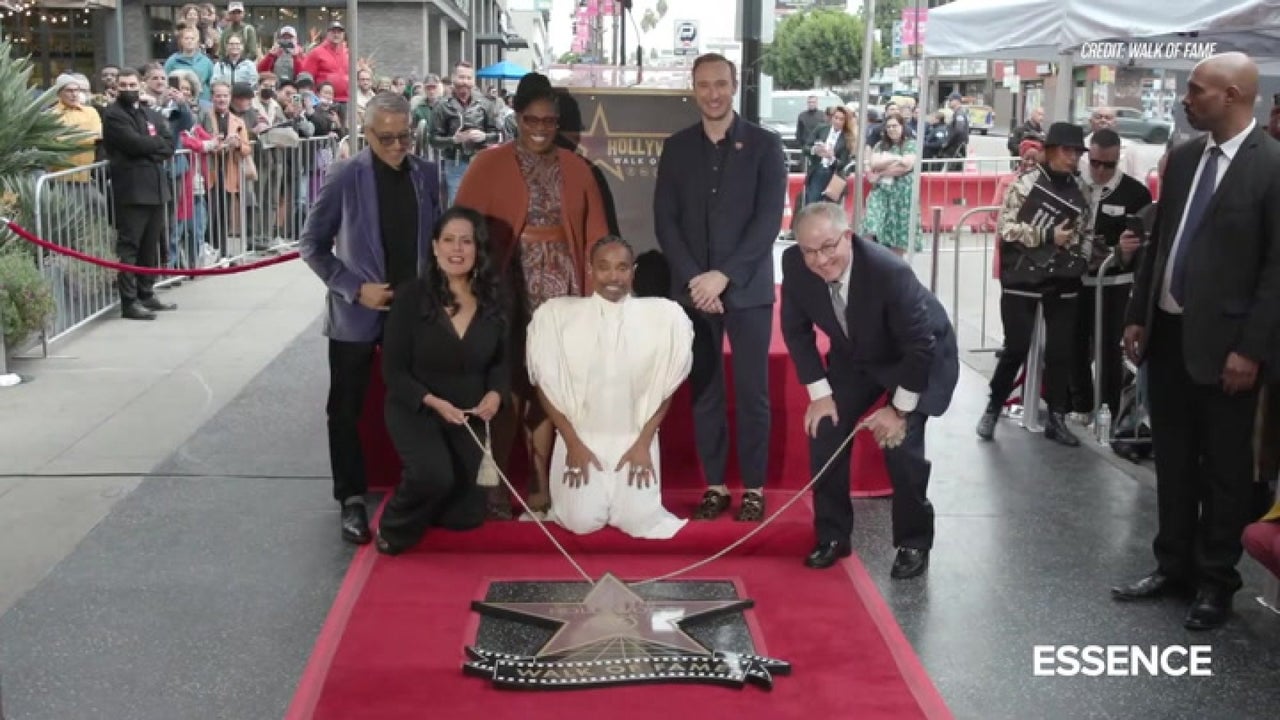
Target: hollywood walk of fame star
<point>612,616</point>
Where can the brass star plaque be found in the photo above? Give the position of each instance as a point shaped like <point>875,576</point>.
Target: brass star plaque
<point>614,636</point>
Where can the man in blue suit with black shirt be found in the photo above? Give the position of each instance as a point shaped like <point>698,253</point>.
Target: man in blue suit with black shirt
<point>368,231</point>
<point>717,210</point>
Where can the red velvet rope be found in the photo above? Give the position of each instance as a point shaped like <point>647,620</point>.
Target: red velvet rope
<point>138,270</point>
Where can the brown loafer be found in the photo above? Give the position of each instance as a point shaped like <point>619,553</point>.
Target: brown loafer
<point>712,506</point>
<point>752,507</point>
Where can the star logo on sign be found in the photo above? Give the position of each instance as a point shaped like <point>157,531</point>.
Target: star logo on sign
<point>594,142</point>
<point>613,620</point>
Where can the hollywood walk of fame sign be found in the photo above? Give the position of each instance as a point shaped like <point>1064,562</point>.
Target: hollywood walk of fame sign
<point>614,636</point>
<point>621,131</point>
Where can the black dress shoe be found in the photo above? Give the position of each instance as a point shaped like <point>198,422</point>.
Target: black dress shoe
<point>355,524</point>
<point>826,554</point>
<point>1209,610</point>
<point>909,563</point>
<point>752,507</point>
<point>154,304</point>
<point>135,311</point>
<point>1155,585</point>
<point>1055,429</point>
<point>712,506</point>
<point>384,547</point>
<point>987,424</point>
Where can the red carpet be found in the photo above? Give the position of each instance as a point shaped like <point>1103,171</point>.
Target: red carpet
<point>788,447</point>
<point>392,646</point>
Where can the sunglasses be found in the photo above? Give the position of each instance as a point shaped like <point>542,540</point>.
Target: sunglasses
<point>1103,165</point>
<point>403,139</point>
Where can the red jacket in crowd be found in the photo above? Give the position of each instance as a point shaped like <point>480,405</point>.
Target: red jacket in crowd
<point>332,66</point>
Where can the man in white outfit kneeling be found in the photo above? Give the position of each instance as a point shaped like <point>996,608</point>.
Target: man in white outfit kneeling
<point>605,367</point>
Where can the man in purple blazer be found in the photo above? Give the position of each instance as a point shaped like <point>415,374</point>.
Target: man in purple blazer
<point>363,239</point>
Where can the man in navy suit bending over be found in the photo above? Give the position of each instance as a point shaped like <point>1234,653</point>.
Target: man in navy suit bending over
<point>888,335</point>
<point>717,210</point>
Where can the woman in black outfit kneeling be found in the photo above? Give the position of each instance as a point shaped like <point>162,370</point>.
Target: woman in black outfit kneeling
<point>445,364</point>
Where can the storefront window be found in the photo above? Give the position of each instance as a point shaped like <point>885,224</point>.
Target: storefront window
<point>311,22</point>
<point>57,41</point>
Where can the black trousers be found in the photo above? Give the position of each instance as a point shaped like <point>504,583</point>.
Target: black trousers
<point>438,477</point>
<point>908,473</point>
<point>140,230</point>
<point>1204,465</point>
<point>1018,313</point>
<point>749,332</point>
<point>350,364</point>
<point>1110,375</point>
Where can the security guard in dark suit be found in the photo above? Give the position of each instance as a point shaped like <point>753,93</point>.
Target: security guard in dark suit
<point>137,141</point>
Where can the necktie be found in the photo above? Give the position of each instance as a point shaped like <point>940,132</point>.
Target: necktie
<point>1195,215</point>
<point>837,302</point>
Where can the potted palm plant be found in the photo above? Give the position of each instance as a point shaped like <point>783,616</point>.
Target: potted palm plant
<point>32,140</point>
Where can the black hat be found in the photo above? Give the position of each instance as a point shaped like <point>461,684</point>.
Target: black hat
<point>1062,134</point>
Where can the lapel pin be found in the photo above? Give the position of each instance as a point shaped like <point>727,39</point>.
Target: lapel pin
<point>737,146</point>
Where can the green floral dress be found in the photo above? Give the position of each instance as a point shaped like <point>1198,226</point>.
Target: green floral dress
<point>888,213</point>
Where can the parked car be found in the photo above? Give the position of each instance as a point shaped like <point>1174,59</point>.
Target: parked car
<point>1131,125</point>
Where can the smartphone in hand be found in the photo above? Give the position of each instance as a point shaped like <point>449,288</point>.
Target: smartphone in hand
<point>1134,224</point>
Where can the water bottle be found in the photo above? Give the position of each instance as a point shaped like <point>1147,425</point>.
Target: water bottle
<point>1103,424</point>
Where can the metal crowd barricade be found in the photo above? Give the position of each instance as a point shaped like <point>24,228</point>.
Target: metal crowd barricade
<point>988,232</point>
<point>73,208</point>
<point>1032,382</point>
<point>220,213</point>
<point>1098,319</point>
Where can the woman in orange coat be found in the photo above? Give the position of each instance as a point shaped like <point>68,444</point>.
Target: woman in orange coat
<point>544,209</point>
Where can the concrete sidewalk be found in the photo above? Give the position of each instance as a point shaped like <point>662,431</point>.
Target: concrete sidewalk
<point>112,402</point>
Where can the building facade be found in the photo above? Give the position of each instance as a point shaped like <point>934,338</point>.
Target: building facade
<point>401,37</point>
<point>529,20</point>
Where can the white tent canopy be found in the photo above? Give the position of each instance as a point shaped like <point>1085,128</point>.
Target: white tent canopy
<point>1048,29</point>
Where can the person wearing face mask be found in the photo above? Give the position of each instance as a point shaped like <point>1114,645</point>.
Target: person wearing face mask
<point>607,405</point>
<point>265,100</point>
<point>138,142</point>
<point>445,363</point>
<point>544,208</point>
<point>74,113</point>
